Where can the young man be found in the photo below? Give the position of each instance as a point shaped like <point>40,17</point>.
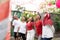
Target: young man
<point>16,24</point>
<point>22,28</point>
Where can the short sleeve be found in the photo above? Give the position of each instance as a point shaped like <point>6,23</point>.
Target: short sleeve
<point>13,22</point>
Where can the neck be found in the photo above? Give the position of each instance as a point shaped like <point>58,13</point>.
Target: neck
<point>38,19</point>
<point>23,21</point>
<point>16,19</point>
<point>29,21</point>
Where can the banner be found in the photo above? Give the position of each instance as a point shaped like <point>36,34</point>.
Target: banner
<point>58,3</point>
<point>4,13</point>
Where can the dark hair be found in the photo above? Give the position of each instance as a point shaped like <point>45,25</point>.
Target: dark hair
<point>14,17</point>
<point>32,20</point>
<point>40,16</point>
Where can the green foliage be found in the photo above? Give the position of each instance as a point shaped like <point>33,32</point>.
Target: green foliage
<point>56,18</point>
<point>53,1</point>
<point>18,13</point>
<point>27,14</point>
<point>57,22</point>
<point>56,11</point>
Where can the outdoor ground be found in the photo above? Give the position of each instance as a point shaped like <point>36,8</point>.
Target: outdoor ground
<point>55,38</point>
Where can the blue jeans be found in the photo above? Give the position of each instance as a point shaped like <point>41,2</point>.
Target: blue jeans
<point>46,38</point>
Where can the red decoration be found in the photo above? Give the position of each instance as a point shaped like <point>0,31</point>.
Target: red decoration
<point>58,3</point>
<point>49,4</point>
<point>4,10</point>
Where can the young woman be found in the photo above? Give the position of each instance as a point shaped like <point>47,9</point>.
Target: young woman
<point>38,26</point>
<point>48,28</point>
<point>30,29</point>
<point>16,24</point>
<point>22,28</point>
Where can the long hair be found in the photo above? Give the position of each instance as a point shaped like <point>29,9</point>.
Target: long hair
<point>32,20</point>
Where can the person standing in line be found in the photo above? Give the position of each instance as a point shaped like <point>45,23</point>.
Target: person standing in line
<point>30,29</point>
<point>16,23</point>
<point>38,27</point>
<point>48,28</point>
<point>22,29</point>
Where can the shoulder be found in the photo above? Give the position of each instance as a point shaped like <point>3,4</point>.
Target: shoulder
<point>40,21</point>
<point>25,23</point>
<point>32,22</point>
<point>14,20</point>
<point>50,20</point>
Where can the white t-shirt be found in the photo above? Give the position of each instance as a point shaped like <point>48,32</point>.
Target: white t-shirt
<point>47,31</point>
<point>22,27</point>
<point>16,24</point>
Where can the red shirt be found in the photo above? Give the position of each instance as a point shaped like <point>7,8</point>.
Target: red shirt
<point>30,26</point>
<point>38,25</point>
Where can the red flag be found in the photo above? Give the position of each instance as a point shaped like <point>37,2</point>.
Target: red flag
<point>4,12</point>
<point>58,3</point>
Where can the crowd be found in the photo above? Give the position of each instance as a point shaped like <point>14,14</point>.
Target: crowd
<point>27,30</point>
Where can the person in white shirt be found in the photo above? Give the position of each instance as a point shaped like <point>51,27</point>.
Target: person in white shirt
<point>22,28</point>
<point>48,28</point>
<point>16,24</point>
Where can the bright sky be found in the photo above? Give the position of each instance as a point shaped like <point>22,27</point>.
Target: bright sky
<point>32,5</point>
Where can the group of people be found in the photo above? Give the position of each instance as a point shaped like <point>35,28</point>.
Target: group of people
<point>43,29</point>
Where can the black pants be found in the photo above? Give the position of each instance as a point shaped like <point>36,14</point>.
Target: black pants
<point>46,38</point>
<point>22,35</point>
<point>15,33</point>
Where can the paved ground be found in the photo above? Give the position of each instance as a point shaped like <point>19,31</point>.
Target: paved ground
<point>55,38</point>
